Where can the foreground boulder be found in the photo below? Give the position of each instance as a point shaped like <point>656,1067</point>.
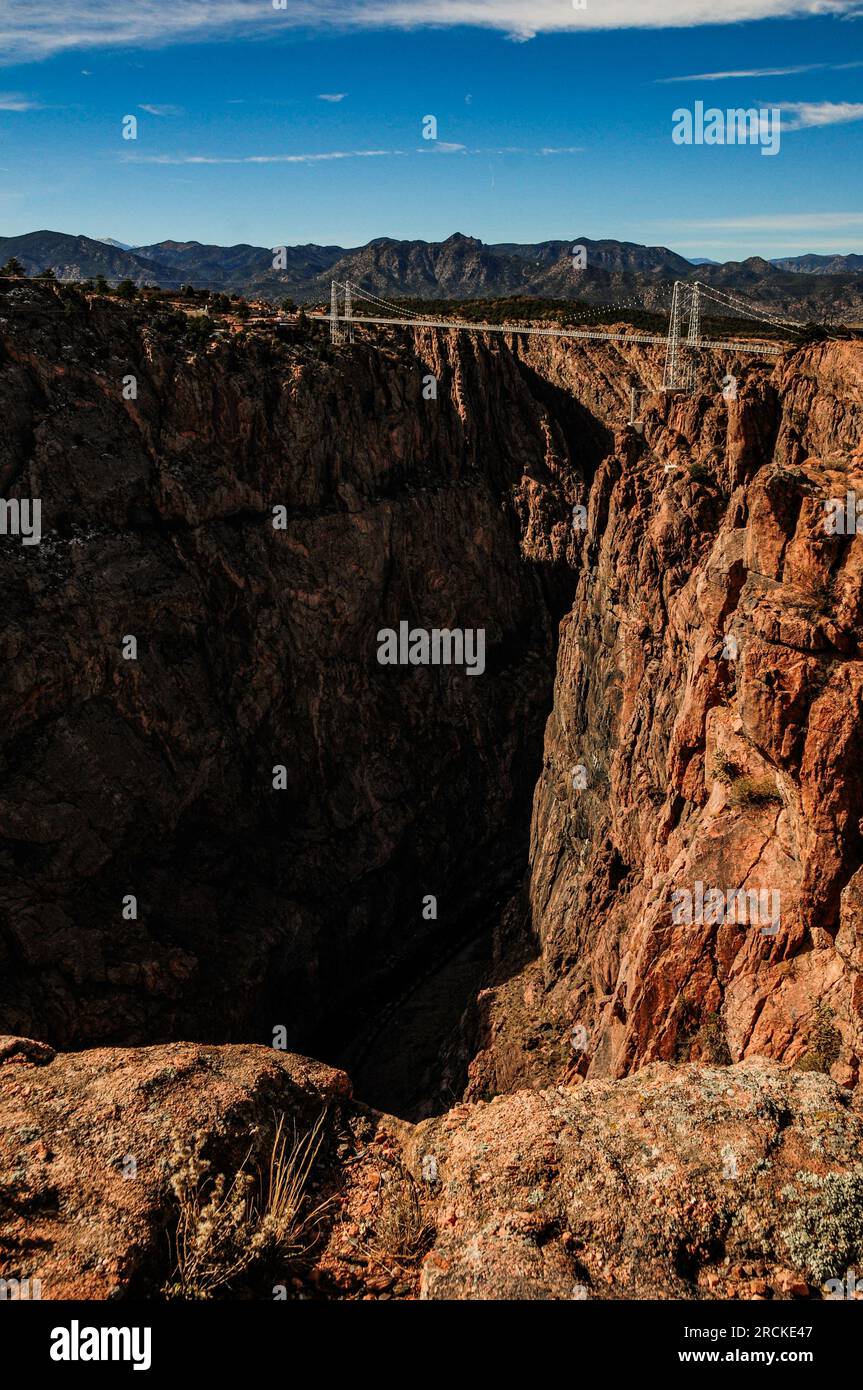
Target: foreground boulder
<point>677,1182</point>
<point>86,1146</point>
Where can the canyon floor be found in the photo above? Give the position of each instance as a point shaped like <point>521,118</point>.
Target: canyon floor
<point>217,857</point>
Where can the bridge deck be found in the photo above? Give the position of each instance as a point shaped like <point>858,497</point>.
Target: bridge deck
<point>756,347</point>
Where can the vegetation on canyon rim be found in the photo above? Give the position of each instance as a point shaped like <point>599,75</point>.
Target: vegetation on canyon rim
<point>226,1228</point>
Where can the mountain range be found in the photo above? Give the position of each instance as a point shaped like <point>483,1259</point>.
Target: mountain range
<point>461,267</point>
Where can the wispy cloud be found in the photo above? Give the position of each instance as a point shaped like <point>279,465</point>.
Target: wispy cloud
<point>258,158</point>
<point>761,72</point>
<point>17,101</point>
<point>163,109</point>
<point>331,96</point>
<point>440,147</point>
<point>743,72</point>
<point>32,29</point>
<point>804,115</point>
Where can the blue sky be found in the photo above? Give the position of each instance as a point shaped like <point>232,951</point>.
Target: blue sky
<point>269,126</point>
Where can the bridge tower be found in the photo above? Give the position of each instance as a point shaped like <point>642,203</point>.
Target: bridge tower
<point>335,331</point>
<point>680,355</point>
<point>695,320</point>
<point>349,328</point>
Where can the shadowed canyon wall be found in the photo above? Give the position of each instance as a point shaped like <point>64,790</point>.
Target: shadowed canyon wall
<point>256,649</point>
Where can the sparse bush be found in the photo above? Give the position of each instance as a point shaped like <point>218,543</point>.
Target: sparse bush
<point>402,1231</point>
<point>825,1233</point>
<point>699,472</point>
<point>818,596</point>
<point>724,769</point>
<point>712,1041</point>
<point>755,791</point>
<point>172,322</point>
<point>199,328</point>
<point>825,1042</point>
<point>224,1229</point>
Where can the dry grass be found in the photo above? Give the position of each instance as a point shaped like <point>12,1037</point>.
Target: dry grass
<point>285,1218</point>
<point>402,1229</point>
<point>225,1229</point>
<point>754,791</point>
<point>825,1042</point>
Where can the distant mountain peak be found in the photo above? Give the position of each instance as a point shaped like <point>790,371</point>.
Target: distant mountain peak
<point>459,268</point>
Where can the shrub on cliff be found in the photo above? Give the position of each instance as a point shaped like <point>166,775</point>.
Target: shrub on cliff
<point>825,1234</point>
<point>225,1228</point>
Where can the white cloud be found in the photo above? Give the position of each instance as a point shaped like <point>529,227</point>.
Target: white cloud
<point>433,147</point>
<point>164,109</point>
<point>16,101</point>
<point>761,72</point>
<point>331,96</point>
<point>31,29</point>
<point>747,72</point>
<point>258,158</point>
<point>808,114</point>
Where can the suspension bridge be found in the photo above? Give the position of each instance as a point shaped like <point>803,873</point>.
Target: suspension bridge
<point>683,343</point>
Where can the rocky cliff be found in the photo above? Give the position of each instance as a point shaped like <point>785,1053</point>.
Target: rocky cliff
<point>242,827</point>
<point>708,689</point>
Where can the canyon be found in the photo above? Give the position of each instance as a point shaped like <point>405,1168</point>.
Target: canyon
<point>694,650</point>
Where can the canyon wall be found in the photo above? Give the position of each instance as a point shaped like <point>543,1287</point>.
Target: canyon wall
<point>705,731</point>
<point>153,777</point>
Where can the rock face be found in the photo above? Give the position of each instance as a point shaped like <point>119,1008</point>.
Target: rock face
<point>689,1182</point>
<point>680,1182</point>
<point>708,688</point>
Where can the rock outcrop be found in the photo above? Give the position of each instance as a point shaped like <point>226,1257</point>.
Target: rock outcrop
<point>679,1182</point>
